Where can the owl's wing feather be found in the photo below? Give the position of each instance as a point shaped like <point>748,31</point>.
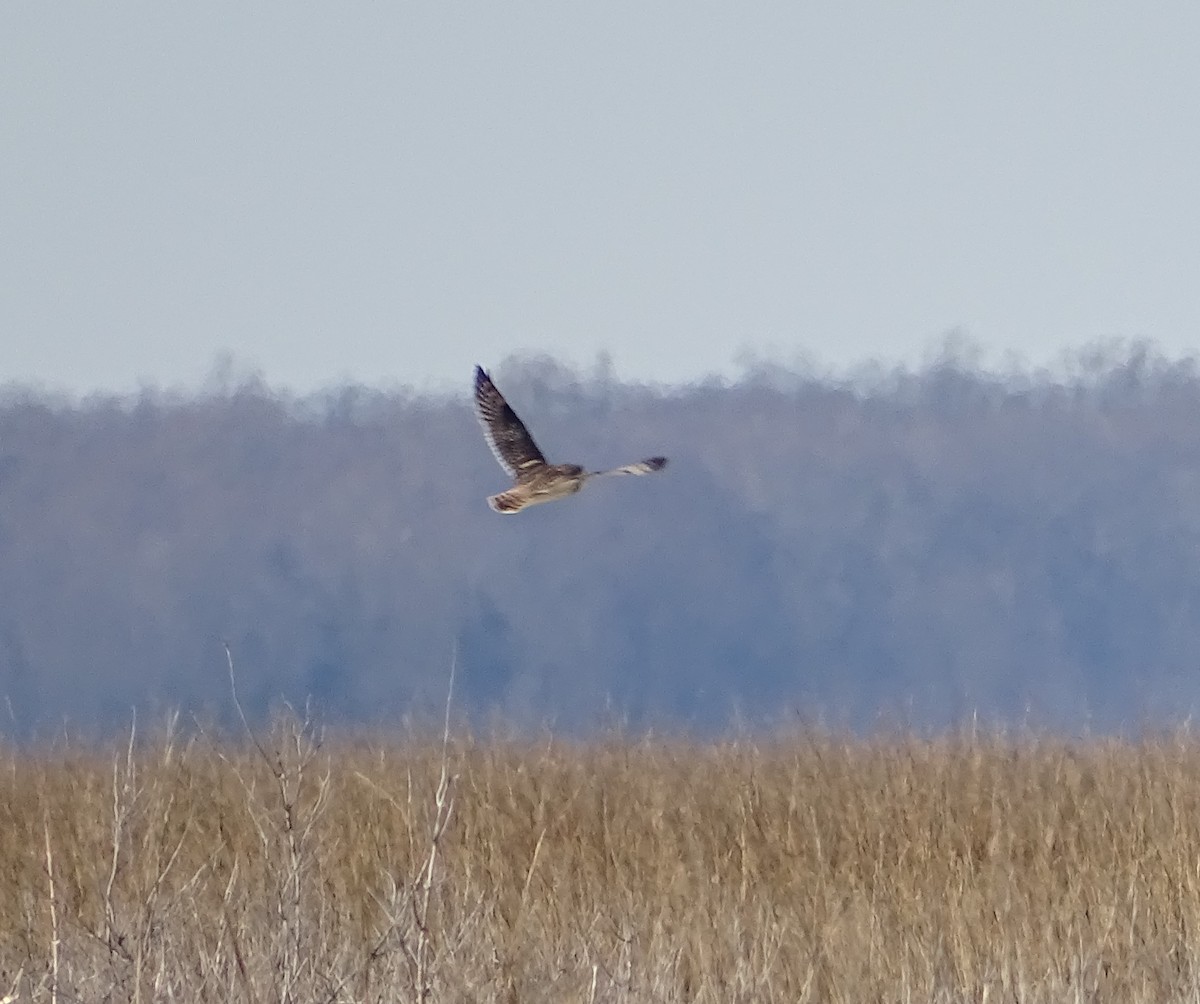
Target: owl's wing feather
<point>505,433</point>
<point>511,501</point>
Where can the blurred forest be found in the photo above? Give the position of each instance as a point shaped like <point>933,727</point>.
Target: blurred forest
<point>907,547</point>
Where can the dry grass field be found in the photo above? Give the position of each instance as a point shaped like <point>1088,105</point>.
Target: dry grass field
<point>296,867</point>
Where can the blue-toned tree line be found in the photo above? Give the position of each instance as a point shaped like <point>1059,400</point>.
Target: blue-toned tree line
<point>912,547</point>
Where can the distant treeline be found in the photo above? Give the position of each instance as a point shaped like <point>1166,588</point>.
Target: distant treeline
<point>913,547</point>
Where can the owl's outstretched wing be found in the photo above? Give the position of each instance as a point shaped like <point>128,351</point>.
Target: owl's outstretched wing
<point>505,433</point>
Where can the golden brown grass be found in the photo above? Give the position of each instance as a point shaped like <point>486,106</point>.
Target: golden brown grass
<point>807,869</point>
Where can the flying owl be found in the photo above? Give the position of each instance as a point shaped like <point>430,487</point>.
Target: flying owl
<point>536,480</point>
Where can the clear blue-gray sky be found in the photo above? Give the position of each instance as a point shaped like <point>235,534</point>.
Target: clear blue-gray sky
<point>392,192</point>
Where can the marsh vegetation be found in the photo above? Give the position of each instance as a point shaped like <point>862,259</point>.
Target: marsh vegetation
<point>311,867</point>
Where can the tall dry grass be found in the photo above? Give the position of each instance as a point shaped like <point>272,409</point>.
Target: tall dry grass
<point>975,868</point>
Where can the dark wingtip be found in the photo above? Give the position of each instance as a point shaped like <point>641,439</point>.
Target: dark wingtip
<point>657,463</point>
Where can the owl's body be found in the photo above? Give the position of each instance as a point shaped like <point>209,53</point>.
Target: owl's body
<point>554,481</point>
<point>513,446</point>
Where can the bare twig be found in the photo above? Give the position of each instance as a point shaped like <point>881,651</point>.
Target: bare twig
<point>293,755</point>
<point>443,810</point>
<point>14,994</point>
<point>54,938</point>
<point>238,704</point>
<point>122,784</point>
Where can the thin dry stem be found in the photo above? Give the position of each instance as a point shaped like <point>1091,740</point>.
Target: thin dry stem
<point>55,940</point>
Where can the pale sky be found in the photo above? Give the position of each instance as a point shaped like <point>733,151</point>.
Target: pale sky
<point>390,193</point>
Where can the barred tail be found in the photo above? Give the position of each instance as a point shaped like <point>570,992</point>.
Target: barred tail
<point>648,466</point>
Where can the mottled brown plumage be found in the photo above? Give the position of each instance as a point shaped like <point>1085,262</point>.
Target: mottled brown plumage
<point>513,446</point>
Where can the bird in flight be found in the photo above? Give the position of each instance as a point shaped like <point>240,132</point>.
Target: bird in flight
<point>536,480</point>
